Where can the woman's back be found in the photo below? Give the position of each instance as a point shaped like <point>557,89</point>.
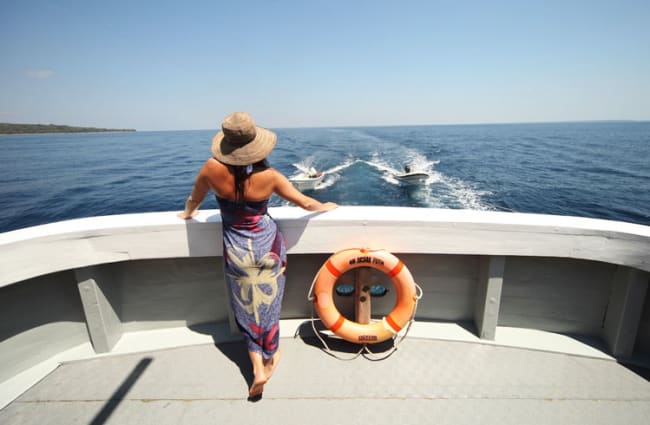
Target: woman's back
<point>263,182</point>
<point>258,186</point>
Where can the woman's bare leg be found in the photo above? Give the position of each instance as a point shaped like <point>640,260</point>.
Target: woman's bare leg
<point>271,364</point>
<point>259,374</point>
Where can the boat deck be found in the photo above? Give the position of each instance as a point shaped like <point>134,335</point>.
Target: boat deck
<point>424,381</point>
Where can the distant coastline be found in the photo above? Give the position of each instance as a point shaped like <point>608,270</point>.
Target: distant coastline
<point>7,128</point>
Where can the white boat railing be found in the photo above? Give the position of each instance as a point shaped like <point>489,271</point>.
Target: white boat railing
<point>98,240</point>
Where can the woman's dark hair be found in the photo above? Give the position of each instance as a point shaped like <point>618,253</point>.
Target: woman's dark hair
<point>242,173</point>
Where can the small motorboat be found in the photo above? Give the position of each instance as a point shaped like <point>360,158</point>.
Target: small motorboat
<point>416,177</point>
<point>412,177</point>
<point>307,180</point>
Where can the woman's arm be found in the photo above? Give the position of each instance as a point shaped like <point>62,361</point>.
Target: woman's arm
<point>286,190</point>
<point>201,187</point>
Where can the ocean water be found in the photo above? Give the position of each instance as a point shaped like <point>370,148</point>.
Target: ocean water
<point>599,169</point>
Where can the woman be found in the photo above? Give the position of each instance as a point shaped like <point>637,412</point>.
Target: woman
<point>254,251</point>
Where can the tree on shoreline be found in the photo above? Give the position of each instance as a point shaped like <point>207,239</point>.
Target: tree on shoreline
<point>8,128</point>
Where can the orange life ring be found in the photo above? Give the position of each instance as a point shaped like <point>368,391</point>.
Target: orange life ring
<point>355,332</point>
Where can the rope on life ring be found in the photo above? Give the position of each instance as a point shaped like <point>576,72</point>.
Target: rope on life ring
<point>408,294</point>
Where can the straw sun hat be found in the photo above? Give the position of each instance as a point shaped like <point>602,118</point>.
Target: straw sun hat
<point>241,142</point>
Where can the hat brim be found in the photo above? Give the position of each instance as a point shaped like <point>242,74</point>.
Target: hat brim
<point>256,150</point>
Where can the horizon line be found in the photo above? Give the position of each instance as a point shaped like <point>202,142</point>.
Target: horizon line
<point>426,125</point>
<point>361,125</point>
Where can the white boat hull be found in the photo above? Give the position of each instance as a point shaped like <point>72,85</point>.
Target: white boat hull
<point>95,282</point>
<point>306,183</point>
<point>412,178</point>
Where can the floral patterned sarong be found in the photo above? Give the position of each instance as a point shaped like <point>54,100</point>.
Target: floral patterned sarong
<point>254,263</point>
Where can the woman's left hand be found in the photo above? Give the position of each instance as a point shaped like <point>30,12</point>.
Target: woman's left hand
<point>186,216</point>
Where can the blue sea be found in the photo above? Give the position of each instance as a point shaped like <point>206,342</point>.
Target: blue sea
<point>595,169</point>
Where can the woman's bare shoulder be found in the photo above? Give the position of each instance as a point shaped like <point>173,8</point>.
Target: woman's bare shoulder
<point>275,174</point>
<point>212,162</point>
<point>212,166</point>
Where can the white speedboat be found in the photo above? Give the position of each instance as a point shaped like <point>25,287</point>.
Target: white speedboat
<point>126,319</point>
<point>413,177</point>
<point>307,180</point>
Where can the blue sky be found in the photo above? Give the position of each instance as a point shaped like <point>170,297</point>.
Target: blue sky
<point>180,65</point>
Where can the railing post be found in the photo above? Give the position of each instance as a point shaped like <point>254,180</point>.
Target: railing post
<point>488,296</point>
<point>362,295</point>
<point>624,310</point>
<point>104,325</point>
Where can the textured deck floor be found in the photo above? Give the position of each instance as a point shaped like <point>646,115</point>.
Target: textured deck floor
<point>425,381</point>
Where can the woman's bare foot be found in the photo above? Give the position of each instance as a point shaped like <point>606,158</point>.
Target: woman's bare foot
<point>271,364</point>
<point>258,386</point>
